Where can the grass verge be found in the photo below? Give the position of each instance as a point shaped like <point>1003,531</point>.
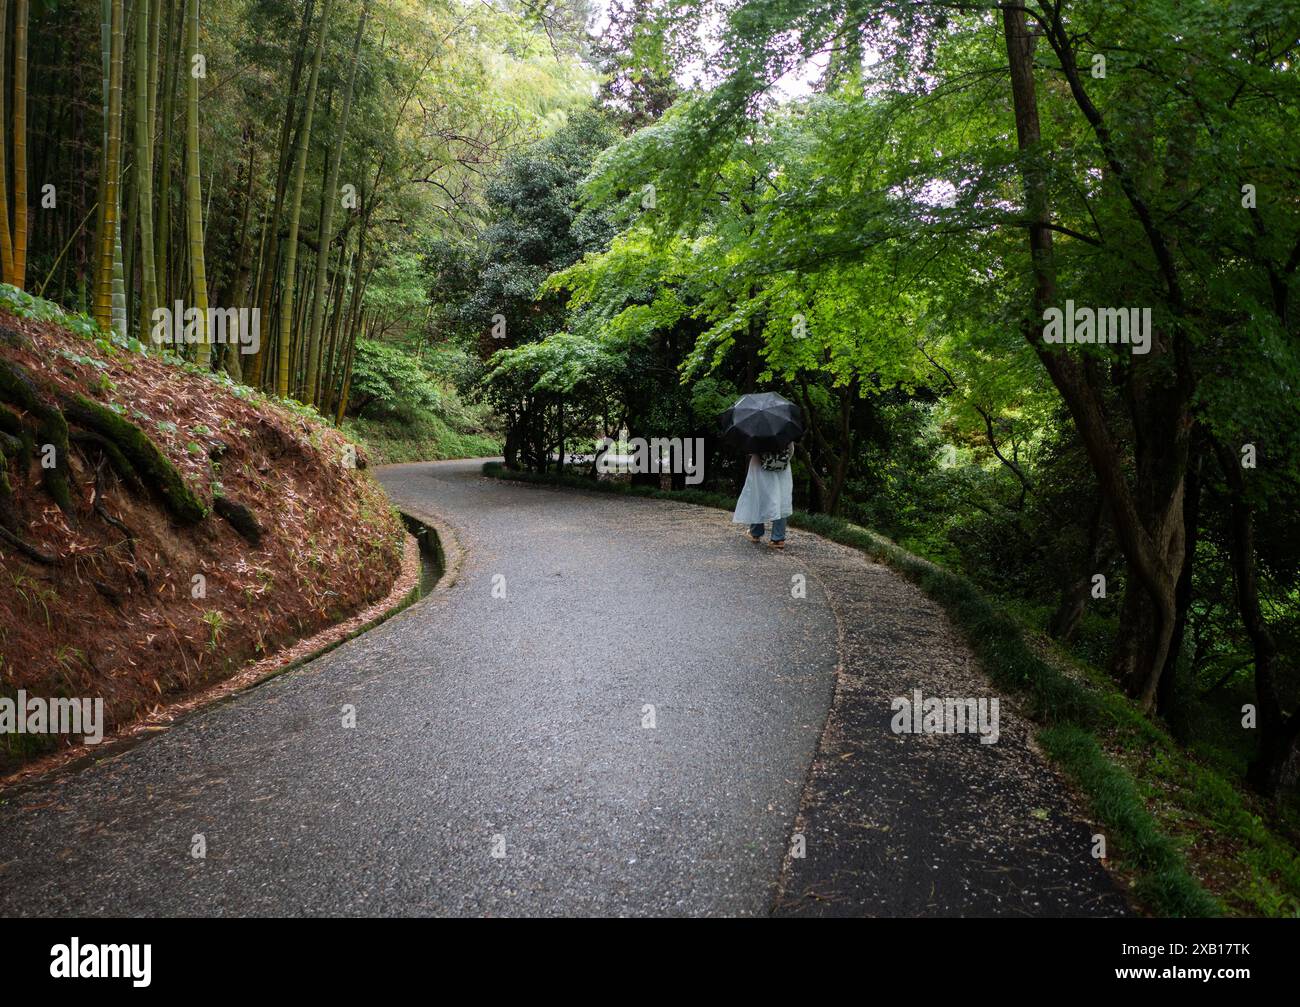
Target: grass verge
<point>423,437</point>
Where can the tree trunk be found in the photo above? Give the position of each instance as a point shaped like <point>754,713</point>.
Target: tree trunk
<point>1183,593</point>
<point>144,168</point>
<point>271,252</point>
<point>6,241</point>
<point>512,445</point>
<point>109,255</point>
<point>347,374</point>
<point>171,83</point>
<point>1148,518</point>
<point>194,191</point>
<point>326,230</point>
<point>295,210</point>
<point>155,37</point>
<point>329,361</point>
<point>1074,596</point>
<point>1278,733</point>
<point>19,278</point>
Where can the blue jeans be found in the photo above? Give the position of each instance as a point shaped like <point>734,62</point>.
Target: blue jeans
<point>778,530</point>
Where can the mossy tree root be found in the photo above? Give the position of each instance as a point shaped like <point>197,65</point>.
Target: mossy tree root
<point>12,446</point>
<point>26,548</point>
<point>8,515</point>
<point>135,458</point>
<point>239,517</point>
<point>124,469</point>
<point>17,388</point>
<point>149,463</point>
<point>10,424</point>
<point>9,518</point>
<point>20,456</point>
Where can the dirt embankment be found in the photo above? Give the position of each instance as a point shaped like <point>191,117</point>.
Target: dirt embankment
<point>159,527</point>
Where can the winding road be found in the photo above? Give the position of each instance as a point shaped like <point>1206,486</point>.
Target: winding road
<point>616,706</point>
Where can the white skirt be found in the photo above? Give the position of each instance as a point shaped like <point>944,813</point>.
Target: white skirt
<point>766,496</point>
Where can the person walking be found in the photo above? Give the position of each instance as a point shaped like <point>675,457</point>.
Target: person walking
<point>766,496</point>
<point>764,425</point>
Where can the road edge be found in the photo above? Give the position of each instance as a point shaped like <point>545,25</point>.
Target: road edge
<point>405,594</point>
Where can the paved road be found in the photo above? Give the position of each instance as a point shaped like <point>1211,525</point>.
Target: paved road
<point>481,721</point>
<point>506,713</point>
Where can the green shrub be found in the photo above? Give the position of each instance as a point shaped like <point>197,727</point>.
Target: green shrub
<point>388,381</point>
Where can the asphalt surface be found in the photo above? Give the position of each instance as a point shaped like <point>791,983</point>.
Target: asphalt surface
<point>942,824</point>
<point>501,761</point>
<point>510,725</point>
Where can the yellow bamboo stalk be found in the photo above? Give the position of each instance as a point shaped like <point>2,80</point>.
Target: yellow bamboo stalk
<point>194,192</point>
<point>144,167</point>
<point>295,214</point>
<point>20,144</point>
<point>112,169</point>
<point>6,244</point>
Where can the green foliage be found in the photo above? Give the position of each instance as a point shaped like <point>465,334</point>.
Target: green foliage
<point>709,397</point>
<point>861,247</point>
<point>563,364</point>
<point>25,305</point>
<point>389,381</point>
<point>421,437</point>
<point>535,229</point>
<point>409,409</point>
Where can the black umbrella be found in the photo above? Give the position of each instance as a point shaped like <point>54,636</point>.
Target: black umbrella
<point>763,423</point>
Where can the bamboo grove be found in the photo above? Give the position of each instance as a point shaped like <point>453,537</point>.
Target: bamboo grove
<point>259,156</point>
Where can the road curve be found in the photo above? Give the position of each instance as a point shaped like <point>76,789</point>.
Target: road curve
<point>614,706</point>
<point>502,761</point>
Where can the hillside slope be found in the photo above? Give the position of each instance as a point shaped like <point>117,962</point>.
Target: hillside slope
<point>160,526</point>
